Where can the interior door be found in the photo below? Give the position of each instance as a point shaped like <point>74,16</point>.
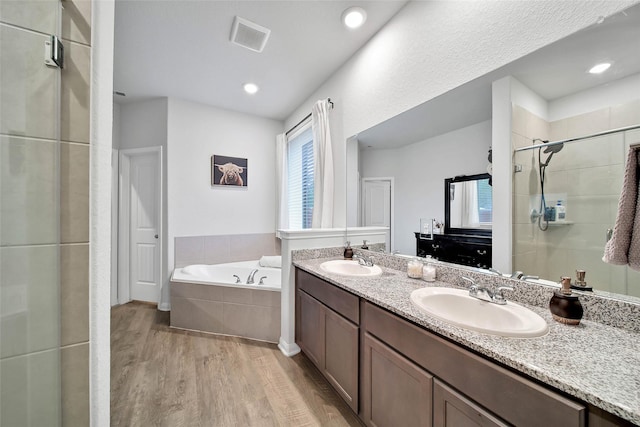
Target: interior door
<point>376,204</point>
<point>144,215</point>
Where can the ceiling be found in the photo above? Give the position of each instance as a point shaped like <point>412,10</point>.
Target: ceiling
<point>182,49</point>
<point>555,71</point>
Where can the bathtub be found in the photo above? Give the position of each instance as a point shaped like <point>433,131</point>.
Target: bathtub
<point>205,298</point>
<point>222,275</point>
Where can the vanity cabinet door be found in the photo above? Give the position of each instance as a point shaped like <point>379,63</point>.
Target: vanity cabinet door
<point>396,391</point>
<point>311,328</point>
<point>452,409</point>
<point>331,342</point>
<point>341,356</point>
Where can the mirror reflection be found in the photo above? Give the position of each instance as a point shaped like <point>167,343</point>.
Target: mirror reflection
<point>468,205</point>
<point>553,97</point>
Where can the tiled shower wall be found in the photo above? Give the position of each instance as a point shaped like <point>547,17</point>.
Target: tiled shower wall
<point>43,322</point>
<point>587,176</point>
<point>224,248</point>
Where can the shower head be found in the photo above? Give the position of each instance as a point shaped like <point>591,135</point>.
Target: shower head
<point>553,148</point>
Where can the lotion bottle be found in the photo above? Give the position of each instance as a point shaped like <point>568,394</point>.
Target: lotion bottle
<point>565,306</point>
<point>348,252</point>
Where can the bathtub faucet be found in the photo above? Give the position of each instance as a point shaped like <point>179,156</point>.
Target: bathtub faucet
<point>251,276</point>
<point>237,278</point>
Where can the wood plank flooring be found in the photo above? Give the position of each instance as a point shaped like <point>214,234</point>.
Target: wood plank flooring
<point>167,377</point>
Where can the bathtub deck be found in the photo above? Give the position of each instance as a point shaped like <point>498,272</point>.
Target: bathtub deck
<point>166,377</point>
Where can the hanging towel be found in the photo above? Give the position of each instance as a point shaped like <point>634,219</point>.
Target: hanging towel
<point>624,246</point>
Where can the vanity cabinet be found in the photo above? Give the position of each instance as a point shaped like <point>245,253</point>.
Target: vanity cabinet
<point>396,391</point>
<point>327,319</point>
<point>469,250</point>
<point>393,372</point>
<point>482,387</point>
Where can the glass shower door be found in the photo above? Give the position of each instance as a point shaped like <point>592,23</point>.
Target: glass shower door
<point>30,363</point>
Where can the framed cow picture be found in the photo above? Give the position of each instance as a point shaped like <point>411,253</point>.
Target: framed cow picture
<point>228,171</point>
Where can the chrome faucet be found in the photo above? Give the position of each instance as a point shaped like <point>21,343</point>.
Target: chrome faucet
<point>485,294</point>
<point>494,271</point>
<point>261,282</point>
<point>251,276</point>
<point>237,278</point>
<point>362,261</point>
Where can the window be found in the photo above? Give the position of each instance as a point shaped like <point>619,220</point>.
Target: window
<point>485,204</point>
<point>300,179</point>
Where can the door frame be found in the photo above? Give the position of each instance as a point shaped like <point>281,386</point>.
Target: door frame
<point>124,223</point>
<point>392,197</point>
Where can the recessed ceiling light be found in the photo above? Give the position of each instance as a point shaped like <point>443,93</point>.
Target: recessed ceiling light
<point>250,88</point>
<point>600,68</point>
<point>354,17</point>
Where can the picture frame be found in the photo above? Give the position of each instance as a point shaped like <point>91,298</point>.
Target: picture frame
<point>229,171</point>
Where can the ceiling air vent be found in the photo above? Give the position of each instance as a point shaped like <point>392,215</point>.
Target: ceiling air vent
<point>248,34</point>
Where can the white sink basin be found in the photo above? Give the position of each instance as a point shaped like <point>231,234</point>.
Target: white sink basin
<point>345,267</point>
<point>455,306</point>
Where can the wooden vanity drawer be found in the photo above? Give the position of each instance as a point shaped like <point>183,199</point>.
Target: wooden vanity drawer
<point>339,300</point>
<point>515,399</point>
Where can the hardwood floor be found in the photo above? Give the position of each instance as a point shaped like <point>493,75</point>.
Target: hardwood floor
<point>167,377</point>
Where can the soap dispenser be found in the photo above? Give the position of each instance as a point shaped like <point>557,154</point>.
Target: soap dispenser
<point>565,306</point>
<point>348,252</point>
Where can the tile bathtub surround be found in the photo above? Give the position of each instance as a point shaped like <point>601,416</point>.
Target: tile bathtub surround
<point>593,362</point>
<point>249,313</point>
<point>220,249</point>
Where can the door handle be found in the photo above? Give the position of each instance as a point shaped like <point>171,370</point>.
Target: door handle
<point>156,236</point>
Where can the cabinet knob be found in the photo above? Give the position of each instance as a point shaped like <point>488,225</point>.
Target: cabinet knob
<point>481,252</point>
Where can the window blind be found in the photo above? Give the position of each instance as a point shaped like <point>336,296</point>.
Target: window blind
<point>300,178</point>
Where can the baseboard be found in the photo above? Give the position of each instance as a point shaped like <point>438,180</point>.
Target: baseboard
<point>288,349</point>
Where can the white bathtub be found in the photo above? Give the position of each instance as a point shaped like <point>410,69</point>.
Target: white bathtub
<point>222,275</point>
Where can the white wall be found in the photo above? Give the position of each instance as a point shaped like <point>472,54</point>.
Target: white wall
<point>194,133</point>
<point>429,48</point>
<point>420,170</point>
<point>116,126</point>
<point>102,18</point>
<point>143,124</point>
<point>618,92</point>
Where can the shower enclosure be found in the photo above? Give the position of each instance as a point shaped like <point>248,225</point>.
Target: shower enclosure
<point>30,99</point>
<point>585,176</point>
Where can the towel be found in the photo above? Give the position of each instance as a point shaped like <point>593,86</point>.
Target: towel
<point>624,246</point>
<point>271,261</point>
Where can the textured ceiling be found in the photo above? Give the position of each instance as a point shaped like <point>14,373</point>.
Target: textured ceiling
<point>182,49</point>
<point>555,71</point>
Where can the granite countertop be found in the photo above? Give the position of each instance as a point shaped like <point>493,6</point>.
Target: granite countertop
<point>596,363</point>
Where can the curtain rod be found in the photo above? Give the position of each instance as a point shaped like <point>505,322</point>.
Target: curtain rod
<point>305,119</point>
<point>548,144</point>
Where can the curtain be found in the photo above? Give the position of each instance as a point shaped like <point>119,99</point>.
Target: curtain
<point>282,190</point>
<point>470,204</point>
<point>323,166</point>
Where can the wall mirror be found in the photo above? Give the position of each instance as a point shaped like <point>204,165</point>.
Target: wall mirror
<point>468,205</point>
<point>451,134</point>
